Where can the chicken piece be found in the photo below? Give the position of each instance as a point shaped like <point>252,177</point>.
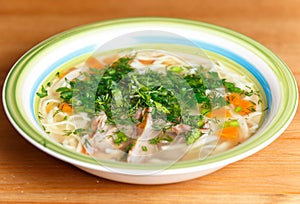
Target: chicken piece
<point>142,149</point>
<point>102,139</point>
<point>181,129</point>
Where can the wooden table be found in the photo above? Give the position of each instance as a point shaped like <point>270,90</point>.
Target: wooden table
<point>29,175</point>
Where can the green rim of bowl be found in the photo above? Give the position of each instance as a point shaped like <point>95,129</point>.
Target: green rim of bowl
<point>283,117</point>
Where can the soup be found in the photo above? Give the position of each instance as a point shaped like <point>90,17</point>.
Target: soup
<point>149,106</point>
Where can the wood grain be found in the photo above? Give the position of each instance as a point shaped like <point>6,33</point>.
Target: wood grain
<point>28,175</point>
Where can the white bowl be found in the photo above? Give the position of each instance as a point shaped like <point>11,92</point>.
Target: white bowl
<point>77,44</point>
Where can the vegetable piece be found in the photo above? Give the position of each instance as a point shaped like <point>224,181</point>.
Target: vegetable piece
<point>231,87</point>
<point>146,62</point>
<point>202,81</point>
<point>43,92</point>
<point>66,108</point>
<point>65,93</point>
<point>238,109</point>
<point>110,59</point>
<point>234,99</point>
<point>62,75</point>
<point>231,123</point>
<point>221,112</point>
<point>230,133</point>
<point>83,151</point>
<point>144,148</point>
<point>177,69</point>
<point>247,107</point>
<point>201,123</point>
<point>92,62</point>
<point>121,137</point>
<point>242,106</point>
<point>192,136</point>
<point>157,140</point>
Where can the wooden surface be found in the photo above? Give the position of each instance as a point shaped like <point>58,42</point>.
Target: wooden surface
<point>29,175</point>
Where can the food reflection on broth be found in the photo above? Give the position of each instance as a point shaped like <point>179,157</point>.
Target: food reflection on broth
<point>145,105</point>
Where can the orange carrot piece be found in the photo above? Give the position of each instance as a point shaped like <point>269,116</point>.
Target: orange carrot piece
<point>221,112</point>
<point>66,108</point>
<point>92,62</point>
<point>110,59</point>
<point>83,151</point>
<point>234,99</point>
<point>247,107</point>
<point>146,62</point>
<point>230,133</point>
<point>62,75</point>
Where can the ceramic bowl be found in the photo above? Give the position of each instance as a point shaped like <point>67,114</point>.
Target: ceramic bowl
<point>232,48</point>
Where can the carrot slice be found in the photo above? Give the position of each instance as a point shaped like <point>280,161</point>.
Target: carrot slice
<point>242,106</point>
<point>83,151</point>
<point>94,63</point>
<point>219,113</point>
<point>110,59</point>
<point>234,99</point>
<point>62,75</point>
<point>146,62</point>
<point>247,107</point>
<point>66,108</point>
<point>230,133</point>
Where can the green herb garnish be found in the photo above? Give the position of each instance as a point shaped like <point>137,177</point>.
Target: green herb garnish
<point>43,92</point>
<point>144,148</point>
<point>157,140</point>
<point>121,137</point>
<point>192,136</point>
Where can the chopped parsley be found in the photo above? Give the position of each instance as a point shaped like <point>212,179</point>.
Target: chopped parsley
<point>120,138</point>
<point>192,136</point>
<point>231,87</point>
<point>157,140</point>
<point>43,93</point>
<point>79,132</point>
